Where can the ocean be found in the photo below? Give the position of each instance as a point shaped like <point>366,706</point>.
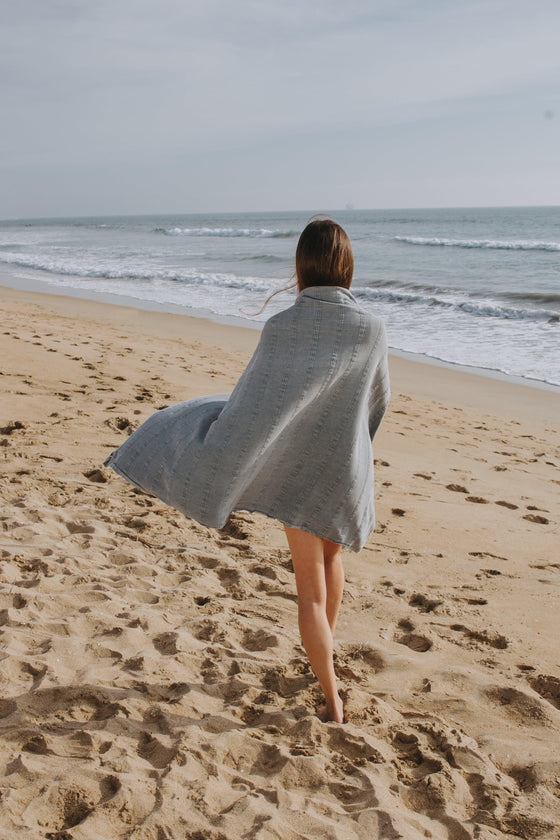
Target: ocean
<point>476,287</point>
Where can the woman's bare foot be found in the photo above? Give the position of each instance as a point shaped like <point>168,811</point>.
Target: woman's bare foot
<point>333,714</point>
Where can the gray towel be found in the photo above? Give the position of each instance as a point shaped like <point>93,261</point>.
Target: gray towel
<point>292,441</point>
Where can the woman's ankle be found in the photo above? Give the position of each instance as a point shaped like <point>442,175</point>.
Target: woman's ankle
<point>335,710</point>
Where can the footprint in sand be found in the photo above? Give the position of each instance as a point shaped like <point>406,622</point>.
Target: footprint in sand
<point>232,583</point>
<point>487,573</point>
<point>78,703</point>
<point>212,672</point>
<point>534,517</point>
<point>548,687</point>
<point>209,631</point>
<point>519,705</point>
<point>73,805</point>
<point>209,561</point>
<point>407,748</point>
<point>7,708</point>
<point>487,554</point>
<point>423,603</point>
<point>406,624</point>
<point>96,476</point>
<point>284,681</point>
<point>359,749</point>
<point>166,643</point>
<point>37,674</point>
<point>135,663</point>
<point>143,394</point>
<point>415,641</point>
<point>19,602</point>
<point>164,693</point>
<point>12,426</point>
<point>80,527</point>
<point>137,622</point>
<point>137,522</point>
<point>264,571</point>
<point>37,745</point>
<point>544,566</point>
<point>257,640</point>
<point>202,600</point>
<point>155,752</point>
<point>120,424</point>
<point>229,577</point>
<point>485,637</point>
<point>109,786</point>
<point>112,631</point>
<point>235,527</point>
<point>367,654</point>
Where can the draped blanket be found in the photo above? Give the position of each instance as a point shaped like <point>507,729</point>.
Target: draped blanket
<point>292,441</point>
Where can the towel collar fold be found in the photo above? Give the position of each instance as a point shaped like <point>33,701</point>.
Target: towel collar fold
<point>329,294</point>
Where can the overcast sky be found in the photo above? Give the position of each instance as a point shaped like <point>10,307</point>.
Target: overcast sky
<point>140,106</point>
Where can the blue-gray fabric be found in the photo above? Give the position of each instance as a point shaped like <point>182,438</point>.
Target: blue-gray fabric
<point>292,441</point>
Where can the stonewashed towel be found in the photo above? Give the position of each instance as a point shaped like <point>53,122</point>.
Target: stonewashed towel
<point>292,441</point>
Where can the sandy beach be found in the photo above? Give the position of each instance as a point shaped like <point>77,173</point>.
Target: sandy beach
<point>152,681</point>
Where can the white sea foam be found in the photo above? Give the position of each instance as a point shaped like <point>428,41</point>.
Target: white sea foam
<point>252,233</point>
<point>84,274</point>
<point>497,244</point>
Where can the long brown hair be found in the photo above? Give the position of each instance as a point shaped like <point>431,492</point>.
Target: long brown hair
<point>324,256</point>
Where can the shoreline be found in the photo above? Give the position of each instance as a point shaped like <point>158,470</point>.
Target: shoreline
<point>34,285</point>
<point>423,379</point>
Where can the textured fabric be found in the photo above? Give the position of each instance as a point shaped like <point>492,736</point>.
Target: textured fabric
<point>292,441</point>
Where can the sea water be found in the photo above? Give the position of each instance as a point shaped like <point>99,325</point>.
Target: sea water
<point>477,287</point>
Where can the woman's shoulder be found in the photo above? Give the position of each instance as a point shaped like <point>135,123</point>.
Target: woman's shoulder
<point>375,323</point>
<point>310,300</point>
<point>370,323</point>
<point>348,318</point>
<point>283,318</point>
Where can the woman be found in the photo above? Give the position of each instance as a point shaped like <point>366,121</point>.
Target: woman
<point>292,441</point>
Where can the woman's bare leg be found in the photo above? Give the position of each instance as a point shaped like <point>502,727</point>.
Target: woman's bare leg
<point>316,634</point>
<point>334,579</point>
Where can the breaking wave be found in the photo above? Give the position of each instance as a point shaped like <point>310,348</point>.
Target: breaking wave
<point>191,276</point>
<point>488,244</point>
<point>252,233</point>
<point>455,301</point>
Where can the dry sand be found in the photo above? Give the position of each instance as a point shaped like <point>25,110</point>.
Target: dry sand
<point>152,681</point>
